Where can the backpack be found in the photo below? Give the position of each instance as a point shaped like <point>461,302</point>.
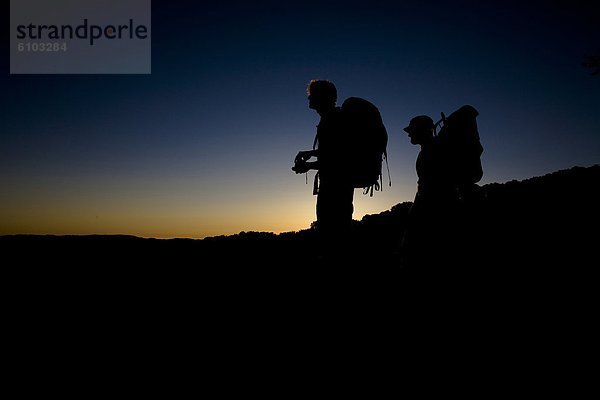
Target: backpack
<point>367,144</point>
<point>460,138</point>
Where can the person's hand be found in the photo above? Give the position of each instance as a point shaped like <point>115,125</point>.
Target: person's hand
<point>303,156</point>
<point>300,167</point>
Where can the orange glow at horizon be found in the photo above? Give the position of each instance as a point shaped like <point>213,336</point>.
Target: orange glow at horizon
<point>172,216</point>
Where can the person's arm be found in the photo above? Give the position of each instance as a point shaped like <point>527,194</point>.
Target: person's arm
<point>306,155</point>
<point>304,166</point>
<point>301,163</point>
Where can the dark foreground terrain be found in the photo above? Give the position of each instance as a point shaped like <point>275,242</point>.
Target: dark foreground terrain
<point>522,310</point>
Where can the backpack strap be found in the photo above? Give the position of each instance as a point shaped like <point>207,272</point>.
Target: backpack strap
<point>379,184</point>
<point>316,181</point>
<point>387,165</point>
<point>441,122</point>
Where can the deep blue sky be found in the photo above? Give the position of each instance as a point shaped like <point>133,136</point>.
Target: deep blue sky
<point>204,145</point>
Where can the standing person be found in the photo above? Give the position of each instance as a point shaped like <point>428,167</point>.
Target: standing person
<point>427,241</point>
<point>335,192</point>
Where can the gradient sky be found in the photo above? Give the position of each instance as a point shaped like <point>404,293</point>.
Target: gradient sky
<point>204,145</point>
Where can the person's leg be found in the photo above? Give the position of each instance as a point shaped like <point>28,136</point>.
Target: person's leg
<point>334,218</point>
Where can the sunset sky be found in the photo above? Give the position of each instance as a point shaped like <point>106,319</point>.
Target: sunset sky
<point>204,145</point>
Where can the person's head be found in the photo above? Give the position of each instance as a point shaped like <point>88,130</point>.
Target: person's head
<point>420,129</point>
<point>322,95</point>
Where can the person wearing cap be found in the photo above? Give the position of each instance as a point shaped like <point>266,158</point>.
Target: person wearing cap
<point>426,236</point>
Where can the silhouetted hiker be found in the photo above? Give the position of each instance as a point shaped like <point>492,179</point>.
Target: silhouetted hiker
<point>427,240</point>
<point>335,190</point>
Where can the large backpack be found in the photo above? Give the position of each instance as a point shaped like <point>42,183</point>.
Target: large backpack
<point>367,143</point>
<point>460,138</point>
